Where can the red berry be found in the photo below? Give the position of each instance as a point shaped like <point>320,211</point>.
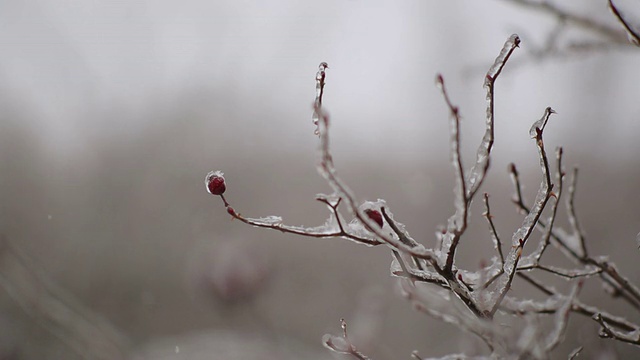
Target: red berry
<point>375,216</point>
<point>215,183</point>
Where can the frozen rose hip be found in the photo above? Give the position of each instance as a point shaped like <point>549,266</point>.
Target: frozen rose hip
<point>375,216</point>
<point>215,183</point>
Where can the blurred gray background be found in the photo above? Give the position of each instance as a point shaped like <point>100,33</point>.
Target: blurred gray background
<point>113,112</point>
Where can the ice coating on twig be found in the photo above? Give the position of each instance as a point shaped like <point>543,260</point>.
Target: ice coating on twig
<point>478,171</point>
<point>540,124</point>
<point>342,344</point>
<point>320,76</point>
<point>511,43</point>
<point>521,236</point>
<point>562,319</point>
<point>467,186</point>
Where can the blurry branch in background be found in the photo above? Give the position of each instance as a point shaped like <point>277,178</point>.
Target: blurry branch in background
<point>633,30</point>
<point>78,328</point>
<point>430,277</point>
<point>607,37</point>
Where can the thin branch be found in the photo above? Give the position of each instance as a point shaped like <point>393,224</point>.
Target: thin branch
<point>584,22</point>
<point>609,275</point>
<point>574,354</point>
<point>469,187</point>
<point>578,307</point>
<point>433,306</point>
<point>275,223</point>
<point>497,244</point>
<point>562,319</point>
<point>569,274</point>
<point>327,170</point>
<point>571,210</point>
<point>554,209</point>
<point>521,236</point>
<point>405,238</point>
<point>458,222</point>
<point>343,345</point>
<point>634,36</point>
<point>630,337</point>
<point>320,76</point>
<point>479,169</point>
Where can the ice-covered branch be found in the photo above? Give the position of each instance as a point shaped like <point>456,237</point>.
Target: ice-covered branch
<point>327,170</point>
<point>578,307</point>
<point>533,260</point>
<point>573,248</point>
<point>342,344</point>
<point>606,331</point>
<point>320,76</point>
<point>497,244</point>
<point>573,218</point>
<point>521,236</point>
<point>431,279</point>
<point>467,186</point>
<point>438,304</point>
<point>562,320</point>
<point>478,172</point>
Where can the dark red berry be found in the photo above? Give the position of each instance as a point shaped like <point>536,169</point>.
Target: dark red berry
<point>215,183</point>
<point>375,216</point>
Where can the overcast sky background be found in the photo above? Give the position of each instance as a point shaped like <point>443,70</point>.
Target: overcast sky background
<point>65,61</point>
